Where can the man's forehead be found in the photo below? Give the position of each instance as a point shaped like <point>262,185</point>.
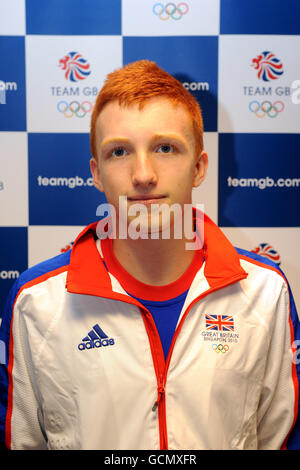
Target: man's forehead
<point>161,109</point>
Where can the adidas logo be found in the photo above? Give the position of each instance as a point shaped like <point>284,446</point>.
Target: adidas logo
<point>96,338</point>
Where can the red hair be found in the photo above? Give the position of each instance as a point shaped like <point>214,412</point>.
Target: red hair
<point>138,82</point>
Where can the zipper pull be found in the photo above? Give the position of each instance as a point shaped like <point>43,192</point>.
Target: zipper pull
<point>160,392</point>
<point>154,407</point>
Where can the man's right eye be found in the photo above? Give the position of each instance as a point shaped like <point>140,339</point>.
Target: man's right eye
<point>119,152</point>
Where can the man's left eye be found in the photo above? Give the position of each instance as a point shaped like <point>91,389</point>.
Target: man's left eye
<point>165,148</point>
<point>119,152</point>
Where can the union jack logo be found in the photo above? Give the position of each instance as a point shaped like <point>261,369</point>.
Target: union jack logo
<point>219,322</point>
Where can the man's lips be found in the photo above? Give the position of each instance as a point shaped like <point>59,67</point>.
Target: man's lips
<point>146,199</point>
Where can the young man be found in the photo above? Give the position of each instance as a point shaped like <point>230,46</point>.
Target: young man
<point>140,342</point>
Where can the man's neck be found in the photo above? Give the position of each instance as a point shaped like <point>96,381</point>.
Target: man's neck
<point>153,262</point>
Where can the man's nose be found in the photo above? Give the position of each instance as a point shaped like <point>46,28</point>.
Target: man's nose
<point>144,173</point>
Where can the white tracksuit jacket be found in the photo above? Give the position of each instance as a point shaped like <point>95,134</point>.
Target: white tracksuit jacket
<point>84,364</point>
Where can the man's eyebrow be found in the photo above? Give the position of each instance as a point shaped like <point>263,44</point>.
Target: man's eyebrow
<point>114,140</point>
<point>167,136</point>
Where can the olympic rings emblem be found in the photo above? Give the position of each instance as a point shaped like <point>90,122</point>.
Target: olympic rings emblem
<point>266,108</point>
<point>74,108</point>
<point>170,10</point>
<point>220,348</point>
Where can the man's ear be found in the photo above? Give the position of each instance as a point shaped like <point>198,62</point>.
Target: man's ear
<point>96,174</point>
<point>200,168</point>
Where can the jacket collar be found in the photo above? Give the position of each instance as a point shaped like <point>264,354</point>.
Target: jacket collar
<point>88,275</point>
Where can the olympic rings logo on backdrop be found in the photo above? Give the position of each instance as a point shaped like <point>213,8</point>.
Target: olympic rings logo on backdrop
<point>170,10</point>
<point>266,108</point>
<point>74,108</point>
<point>220,348</point>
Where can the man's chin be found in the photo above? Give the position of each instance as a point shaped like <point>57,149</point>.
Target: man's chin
<point>152,227</point>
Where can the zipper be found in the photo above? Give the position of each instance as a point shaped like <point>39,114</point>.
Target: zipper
<point>159,367</point>
<point>160,392</point>
<point>160,404</point>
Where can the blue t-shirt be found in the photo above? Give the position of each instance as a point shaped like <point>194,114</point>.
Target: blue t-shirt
<point>165,315</point>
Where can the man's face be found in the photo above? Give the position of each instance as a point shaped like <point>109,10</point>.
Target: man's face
<point>147,155</point>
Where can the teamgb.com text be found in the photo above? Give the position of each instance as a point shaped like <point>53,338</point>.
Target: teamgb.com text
<point>263,183</point>
<point>69,182</point>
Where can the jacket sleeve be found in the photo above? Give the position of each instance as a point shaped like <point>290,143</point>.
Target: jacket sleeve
<point>278,420</point>
<point>20,413</point>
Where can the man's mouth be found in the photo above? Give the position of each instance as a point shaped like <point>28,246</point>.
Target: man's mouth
<point>147,199</point>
